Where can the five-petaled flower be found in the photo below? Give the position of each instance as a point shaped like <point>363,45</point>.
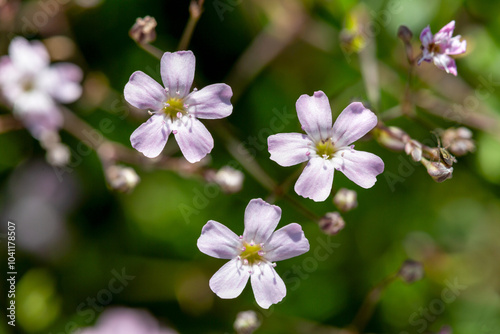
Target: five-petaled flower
<point>252,255</point>
<point>439,47</point>
<point>32,87</point>
<point>176,110</point>
<point>327,148</point>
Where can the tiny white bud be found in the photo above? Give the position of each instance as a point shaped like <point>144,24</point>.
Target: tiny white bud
<point>123,179</point>
<point>345,200</point>
<point>246,322</point>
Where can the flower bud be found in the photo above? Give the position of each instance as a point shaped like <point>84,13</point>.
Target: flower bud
<point>405,34</point>
<point>458,141</point>
<point>345,200</point>
<point>58,155</point>
<point>331,223</point>
<point>445,330</point>
<point>246,322</point>
<point>122,179</point>
<point>414,149</point>
<point>439,171</point>
<point>392,137</point>
<point>411,271</point>
<point>143,31</point>
<point>229,179</point>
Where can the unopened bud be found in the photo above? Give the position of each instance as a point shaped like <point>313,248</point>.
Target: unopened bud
<point>58,155</point>
<point>414,149</point>
<point>122,179</point>
<point>143,31</point>
<point>392,137</point>
<point>411,271</point>
<point>445,330</point>
<point>331,223</point>
<point>345,200</point>
<point>405,34</point>
<point>458,141</point>
<point>246,322</point>
<point>229,179</point>
<point>439,171</point>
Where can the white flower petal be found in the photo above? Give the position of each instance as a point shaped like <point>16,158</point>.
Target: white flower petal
<point>28,56</point>
<point>261,218</point>
<point>177,72</point>
<point>211,102</point>
<point>315,115</point>
<point>144,92</point>
<point>218,241</point>
<point>353,123</point>
<point>287,242</point>
<point>230,280</point>
<point>360,167</point>
<point>194,140</point>
<point>150,138</point>
<point>268,287</point>
<point>316,180</point>
<point>289,149</point>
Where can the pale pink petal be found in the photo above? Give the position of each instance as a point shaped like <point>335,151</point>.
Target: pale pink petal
<point>150,138</point>
<point>268,287</point>
<point>289,149</point>
<point>261,219</point>
<point>443,35</point>
<point>193,138</point>
<point>211,102</point>
<point>31,57</point>
<point>61,81</point>
<point>446,63</point>
<point>426,36</point>
<point>177,72</point>
<point>455,46</point>
<point>360,167</point>
<point>144,92</point>
<point>38,113</point>
<point>230,280</point>
<point>316,180</point>
<point>315,115</point>
<point>218,241</point>
<point>353,123</point>
<point>285,243</point>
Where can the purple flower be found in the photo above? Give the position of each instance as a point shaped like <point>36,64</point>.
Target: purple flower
<point>33,88</point>
<point>252,254</point>
<point>121,320</point>
<point>176,110</point>
<point>438,47</point>
<point>327,148</point>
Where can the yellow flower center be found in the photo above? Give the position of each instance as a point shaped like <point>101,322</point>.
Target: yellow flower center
<point>325,148</point>
<point>174,108</point>
<point>251,253</point>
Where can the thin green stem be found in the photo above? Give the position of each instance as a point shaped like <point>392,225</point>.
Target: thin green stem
<point>195,11</point>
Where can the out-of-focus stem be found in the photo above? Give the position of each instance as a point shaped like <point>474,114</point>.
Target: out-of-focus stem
<point>365,312</point>
<point>195,11</point>
<point>369,72</point>
<point>151,49</point>
<point>271,41</point>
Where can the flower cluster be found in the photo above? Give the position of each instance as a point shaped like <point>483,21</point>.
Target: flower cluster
<point>176,110</point>
<point>438,48</point>
<point>33,88</point>
<point>253,254</point>
<point>327,148</point>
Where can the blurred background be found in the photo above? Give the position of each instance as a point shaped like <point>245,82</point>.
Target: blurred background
<point>83,247</point>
